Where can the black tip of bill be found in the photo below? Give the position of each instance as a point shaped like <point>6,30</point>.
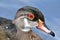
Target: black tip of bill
<point>52,34</point>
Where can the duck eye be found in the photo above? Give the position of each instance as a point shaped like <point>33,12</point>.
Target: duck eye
<point>30,16</point>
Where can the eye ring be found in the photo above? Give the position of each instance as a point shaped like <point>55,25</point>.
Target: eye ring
<point>30,16</point>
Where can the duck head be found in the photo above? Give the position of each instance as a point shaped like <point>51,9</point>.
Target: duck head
<point>30,16</point>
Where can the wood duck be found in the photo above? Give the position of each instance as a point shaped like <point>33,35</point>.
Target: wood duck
<point>29,17</point>
<point>20,28</point>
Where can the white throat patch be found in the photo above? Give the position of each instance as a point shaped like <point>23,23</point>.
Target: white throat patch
<point>26,26</point>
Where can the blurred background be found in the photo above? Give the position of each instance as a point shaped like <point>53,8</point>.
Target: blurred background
<point>50,9</point>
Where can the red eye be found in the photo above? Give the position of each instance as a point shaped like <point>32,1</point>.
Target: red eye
<point>30,16</point>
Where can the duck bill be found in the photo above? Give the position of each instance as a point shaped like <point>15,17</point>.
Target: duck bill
<point>42,26</point>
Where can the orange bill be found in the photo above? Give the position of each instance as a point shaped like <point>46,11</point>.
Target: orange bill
<point>42,27</point>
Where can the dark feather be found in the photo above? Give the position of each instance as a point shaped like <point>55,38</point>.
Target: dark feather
<point>7,29</point>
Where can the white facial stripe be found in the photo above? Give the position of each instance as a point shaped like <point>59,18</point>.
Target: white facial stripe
<point>26,22</point>
<point>45,29</point>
